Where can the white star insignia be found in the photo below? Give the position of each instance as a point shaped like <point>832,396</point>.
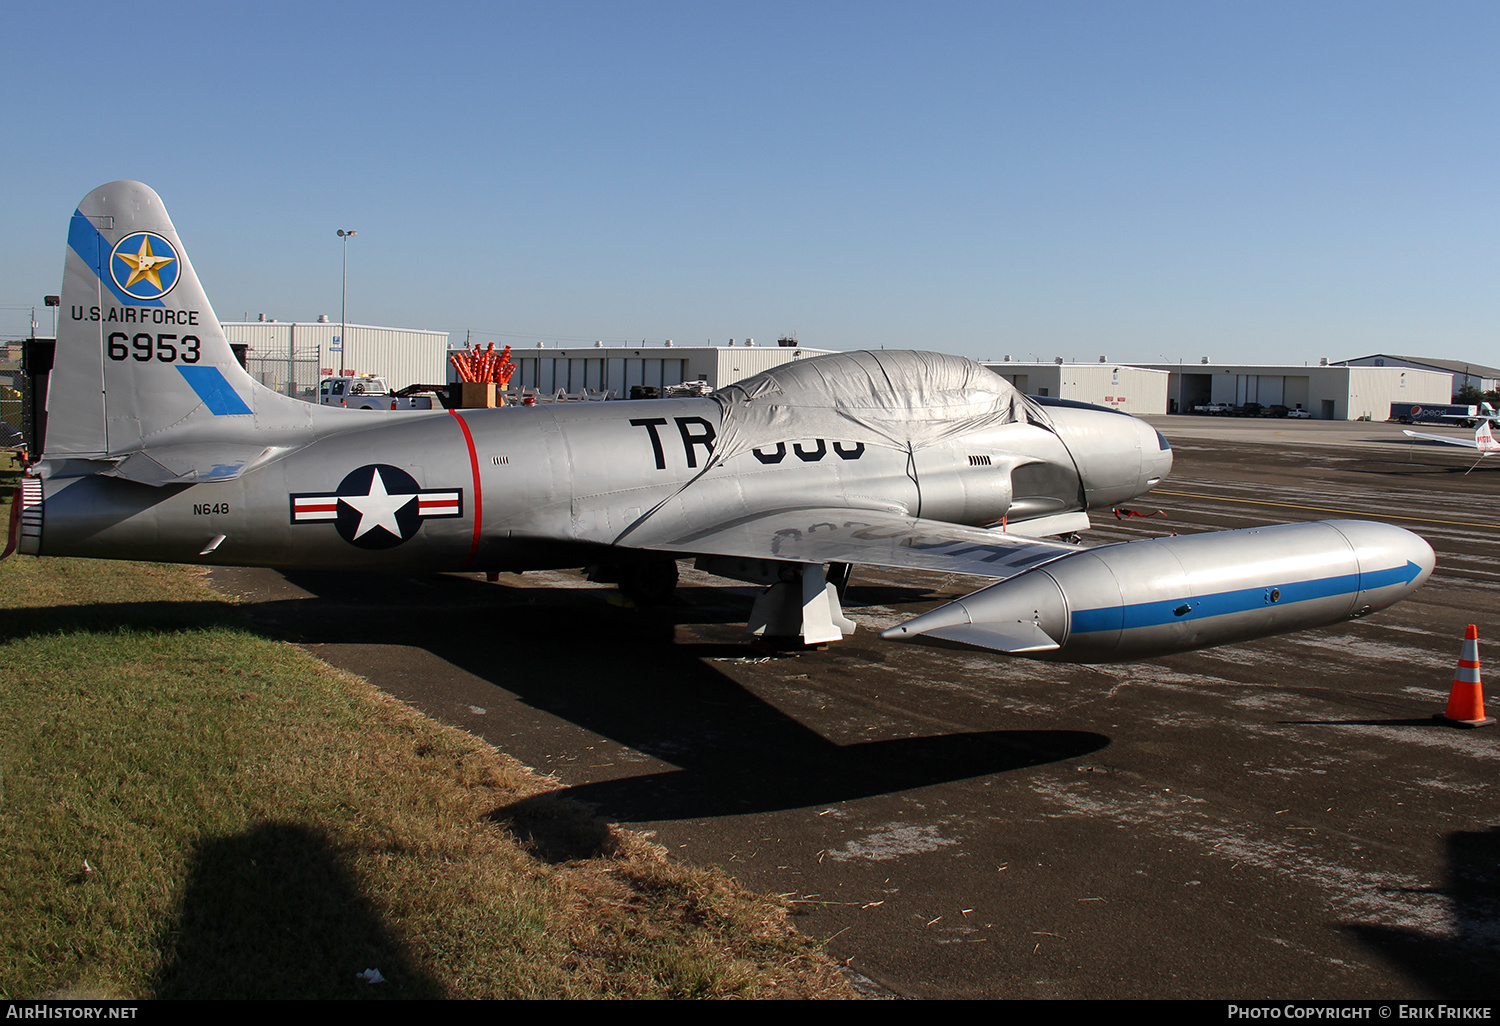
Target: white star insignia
<point>377,509</point>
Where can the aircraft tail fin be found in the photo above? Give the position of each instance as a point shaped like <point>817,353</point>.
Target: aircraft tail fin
<point>141,361</point>
<point>1484,439</point>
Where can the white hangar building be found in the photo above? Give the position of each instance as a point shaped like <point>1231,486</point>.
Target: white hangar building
<point>1327,392</point>
<point>290,356</point>
<point>615,368</point>
<point>1118,386</point>
<point>1485,379</point>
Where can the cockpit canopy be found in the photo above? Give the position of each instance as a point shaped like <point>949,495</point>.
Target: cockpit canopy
<point>893,398</point>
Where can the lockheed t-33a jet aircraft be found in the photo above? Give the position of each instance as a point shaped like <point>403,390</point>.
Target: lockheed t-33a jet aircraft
<point>158,446</point>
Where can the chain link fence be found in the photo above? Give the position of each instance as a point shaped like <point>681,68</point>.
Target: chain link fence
<point>10,409</point>
<point>296,376</point>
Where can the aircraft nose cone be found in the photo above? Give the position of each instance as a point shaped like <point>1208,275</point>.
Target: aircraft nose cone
<point>1156,457</point>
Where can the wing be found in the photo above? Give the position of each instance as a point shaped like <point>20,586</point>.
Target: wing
<point>867,537</point>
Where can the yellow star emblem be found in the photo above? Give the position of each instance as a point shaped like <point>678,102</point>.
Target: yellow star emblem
<point>145,264</point>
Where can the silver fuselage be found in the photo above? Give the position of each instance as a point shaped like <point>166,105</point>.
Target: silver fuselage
<point>542,486</point>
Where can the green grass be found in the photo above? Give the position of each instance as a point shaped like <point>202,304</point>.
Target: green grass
<point>189,810</point>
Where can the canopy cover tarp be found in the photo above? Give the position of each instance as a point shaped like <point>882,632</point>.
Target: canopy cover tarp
<point>893,398</point>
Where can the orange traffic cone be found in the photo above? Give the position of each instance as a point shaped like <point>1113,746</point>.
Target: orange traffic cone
<point>1466,700</point>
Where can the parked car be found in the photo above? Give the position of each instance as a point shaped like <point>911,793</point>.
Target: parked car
<point>1299,414</point>
<point>1274,410</point>
<point>1214,409</point>
<point>1248,410</point>
<point>368,392</point>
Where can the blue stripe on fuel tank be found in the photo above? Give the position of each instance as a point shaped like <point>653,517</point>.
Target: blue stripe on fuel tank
<point>215,392</point>
<point>85,240</point>
<point>1154,614</point>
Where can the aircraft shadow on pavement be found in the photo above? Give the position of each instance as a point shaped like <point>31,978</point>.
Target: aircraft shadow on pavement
<point>623,674</point>
<point>794,768</point>
<point>1395,721</point>
<point>1411,468</point>
<point>885,595</point>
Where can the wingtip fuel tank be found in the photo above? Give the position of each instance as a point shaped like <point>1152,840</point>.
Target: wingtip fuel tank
<point>1146,598</point>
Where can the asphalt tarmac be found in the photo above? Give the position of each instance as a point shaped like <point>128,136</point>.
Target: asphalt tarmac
<point>1276,819</point>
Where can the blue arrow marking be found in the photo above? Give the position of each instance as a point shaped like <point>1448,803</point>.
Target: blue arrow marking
<point>86,240</point>
<point>1154,614</point>
<point>216,393</point>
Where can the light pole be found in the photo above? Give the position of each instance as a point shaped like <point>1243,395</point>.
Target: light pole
<point>346,361</point>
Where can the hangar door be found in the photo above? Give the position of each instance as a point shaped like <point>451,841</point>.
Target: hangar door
<point>1266,389</point>
<point>1194,390</point>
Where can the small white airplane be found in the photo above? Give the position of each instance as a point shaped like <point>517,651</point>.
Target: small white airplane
<point>1483,440</point>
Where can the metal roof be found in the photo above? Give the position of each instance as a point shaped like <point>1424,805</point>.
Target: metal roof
<point>1477,370</point>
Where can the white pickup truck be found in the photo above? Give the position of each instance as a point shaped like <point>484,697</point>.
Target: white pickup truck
<point>366,392</point>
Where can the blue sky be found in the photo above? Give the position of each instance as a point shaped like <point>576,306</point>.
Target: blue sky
<point>1259,181</point>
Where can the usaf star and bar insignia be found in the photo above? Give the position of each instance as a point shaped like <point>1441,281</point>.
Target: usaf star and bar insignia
<point>377,506</point>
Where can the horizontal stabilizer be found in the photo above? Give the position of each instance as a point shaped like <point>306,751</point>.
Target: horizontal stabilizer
<point>197,463</point>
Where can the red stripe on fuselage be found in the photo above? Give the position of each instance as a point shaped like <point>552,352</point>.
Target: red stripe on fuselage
<point>478,500</point>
